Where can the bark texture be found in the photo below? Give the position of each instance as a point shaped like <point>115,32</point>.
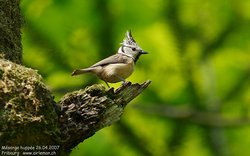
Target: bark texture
<point>28,113</point>
<point>10,34</point>
<point>88,110</point>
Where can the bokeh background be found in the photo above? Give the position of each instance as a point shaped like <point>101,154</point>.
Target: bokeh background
<point>198,103</point>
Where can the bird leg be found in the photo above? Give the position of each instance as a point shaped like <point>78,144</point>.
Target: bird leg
<point>122,79</point>
<point>107,84</point>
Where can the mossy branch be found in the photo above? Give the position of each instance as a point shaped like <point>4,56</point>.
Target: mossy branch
<point>30,116</point>
<point>88,110</point>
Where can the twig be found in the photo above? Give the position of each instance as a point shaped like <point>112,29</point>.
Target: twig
<point>187,114</point>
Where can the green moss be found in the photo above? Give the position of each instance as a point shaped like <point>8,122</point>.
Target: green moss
<point>10,40</point>
<point>27,107</point>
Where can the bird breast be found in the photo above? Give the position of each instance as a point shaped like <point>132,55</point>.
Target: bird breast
<point>112,72</point>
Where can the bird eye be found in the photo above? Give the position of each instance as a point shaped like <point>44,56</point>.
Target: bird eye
<point>133,49</point>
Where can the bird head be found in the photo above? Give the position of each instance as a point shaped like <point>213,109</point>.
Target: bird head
<point>130,48</point>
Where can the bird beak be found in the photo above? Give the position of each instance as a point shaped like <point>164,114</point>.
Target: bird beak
<point>143,52</point>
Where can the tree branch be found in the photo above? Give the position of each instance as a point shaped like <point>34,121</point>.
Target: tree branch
<point>88,110</point>
<point>30,116</point>
<point>204,118</point>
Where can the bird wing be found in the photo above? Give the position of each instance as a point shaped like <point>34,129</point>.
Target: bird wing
<point>113,59</point>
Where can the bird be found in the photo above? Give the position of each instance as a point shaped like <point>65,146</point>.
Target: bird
<point>117,67</point>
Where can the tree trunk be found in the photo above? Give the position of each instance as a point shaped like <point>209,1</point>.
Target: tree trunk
<point>10,35</point>
<point>30,119</point>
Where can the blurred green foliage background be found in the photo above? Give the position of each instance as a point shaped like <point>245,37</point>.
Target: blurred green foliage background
<point>198,103</point>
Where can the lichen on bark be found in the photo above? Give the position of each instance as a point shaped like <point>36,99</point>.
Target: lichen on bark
<point>10,34</point>
<point>25,103</point>
<point>88,110</point>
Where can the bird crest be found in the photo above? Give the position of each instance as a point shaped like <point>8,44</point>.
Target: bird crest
<point>129,41</point>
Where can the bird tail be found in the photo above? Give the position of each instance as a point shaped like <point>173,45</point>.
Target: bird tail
<point>81,71</point>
